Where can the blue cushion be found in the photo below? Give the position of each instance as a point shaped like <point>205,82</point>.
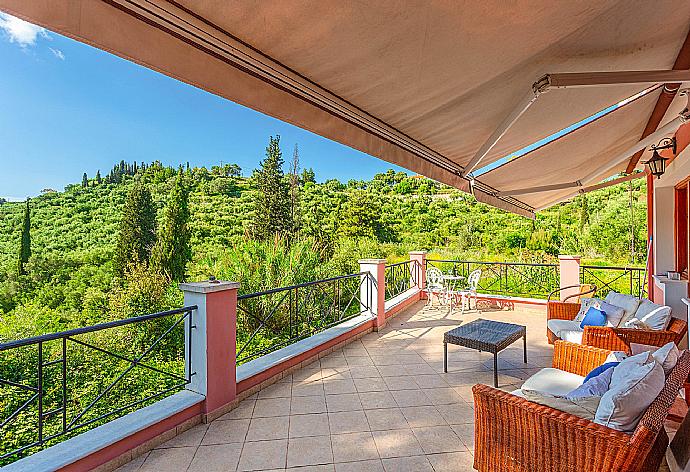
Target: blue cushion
<point>594,317</point>
<point>600,369</point>
<point>594,387</point>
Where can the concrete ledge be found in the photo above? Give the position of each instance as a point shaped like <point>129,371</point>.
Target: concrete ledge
<point>91,442</point>
<point>264,363</point>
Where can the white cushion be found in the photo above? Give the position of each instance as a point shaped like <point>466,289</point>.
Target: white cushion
<point>629,303</point>
<point>667,355</point>
<point>635,383</point>
<point>653,315</point>
<point>585,304</point>
<point>553,381</point>
<point>566,330</point>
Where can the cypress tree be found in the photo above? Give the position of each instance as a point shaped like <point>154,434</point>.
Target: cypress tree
<point>173,251</point>
<point>137,229</point>
<point>272,210</point>
<point>25,245</point>
<point>84,180</point>
<point>98,177</point>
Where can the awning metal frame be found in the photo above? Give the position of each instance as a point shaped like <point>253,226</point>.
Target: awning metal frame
<point>666,130</point>
<point>571,80</point>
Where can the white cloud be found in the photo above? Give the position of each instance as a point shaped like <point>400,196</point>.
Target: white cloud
<point>59,54</point>
<point>21,32</point>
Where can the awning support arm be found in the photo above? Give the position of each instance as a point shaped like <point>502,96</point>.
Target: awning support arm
<point>541,188</point>
<point>593,79</point>
<point>503,128</point>
<point>571,80</point>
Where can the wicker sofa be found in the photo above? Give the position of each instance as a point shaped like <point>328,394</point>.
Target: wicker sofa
<point>615,339</point>
<point>513,434</point>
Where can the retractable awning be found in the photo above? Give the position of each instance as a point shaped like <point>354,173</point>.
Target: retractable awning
<point>425,85</point>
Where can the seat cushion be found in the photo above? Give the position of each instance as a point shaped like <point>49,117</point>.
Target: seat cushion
<point>566,330</point>
<point>635,383</point>
<point>553,381</point>
<point>584,407</point>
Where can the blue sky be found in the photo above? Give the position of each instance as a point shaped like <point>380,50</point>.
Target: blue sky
<point>67,108</point>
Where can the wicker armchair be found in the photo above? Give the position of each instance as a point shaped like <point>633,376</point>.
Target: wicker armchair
<point>615,339</point>
<point>515,435</point>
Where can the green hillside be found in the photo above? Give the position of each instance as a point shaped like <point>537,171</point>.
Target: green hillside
<point>70,278</point>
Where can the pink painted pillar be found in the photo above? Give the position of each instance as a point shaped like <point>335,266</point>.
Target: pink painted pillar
<point>418,268</point>
<point>214,340</point>
<point>376,291</point>
<point>569,267</point>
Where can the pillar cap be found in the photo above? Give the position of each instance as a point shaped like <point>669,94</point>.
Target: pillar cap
<point>372,261</point>
<point>417,253</point>
<point>208,286</point>
<point>565,257</point>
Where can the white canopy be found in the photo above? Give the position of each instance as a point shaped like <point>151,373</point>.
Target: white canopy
<point>423,85</point>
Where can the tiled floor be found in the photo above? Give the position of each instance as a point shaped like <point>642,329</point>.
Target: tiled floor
<point>382,403</point>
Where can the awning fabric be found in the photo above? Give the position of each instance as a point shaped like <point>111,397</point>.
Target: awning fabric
<point>419,84</point>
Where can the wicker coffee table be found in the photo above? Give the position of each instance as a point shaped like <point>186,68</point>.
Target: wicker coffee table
<point>486,336</point>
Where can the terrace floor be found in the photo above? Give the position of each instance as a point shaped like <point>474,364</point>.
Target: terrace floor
<point>382,403</point>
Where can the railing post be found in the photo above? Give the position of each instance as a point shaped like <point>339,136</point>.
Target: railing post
<point>213,340</point>
<point>569,271</point>
<point>375,294</point>
<point>418,259</point>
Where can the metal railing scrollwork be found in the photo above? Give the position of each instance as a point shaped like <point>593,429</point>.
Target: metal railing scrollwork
<point>272,319</point>
<point>401,277</point>
<point>56,385</point>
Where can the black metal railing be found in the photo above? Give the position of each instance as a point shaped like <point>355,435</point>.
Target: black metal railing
<point>270,320</point>
<point>517,279</point>
<point>57,385</point>
<point>401,277</point>
<point>628,280</point>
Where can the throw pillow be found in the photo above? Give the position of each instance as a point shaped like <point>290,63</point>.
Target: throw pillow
<point>598,370</point>
<point>667,355</point>
<point>629,303</point>
<point>584,407</point>
<point>634,323</point>
<point>635,383</point>
<point>596,386</point>
<point>585,304</point>
<point>656,316</point>
<point>614,314</point>
<point>594,317</point>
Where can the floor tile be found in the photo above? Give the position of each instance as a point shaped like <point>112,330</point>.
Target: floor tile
<point>271,407</point>
<point>452,462</point>
<point>407,464</point>
<point>191,437</point>
<point>216,458</point>
<point>223,432</point>
<point>263,429</point>
<point>397,443</point>
<point>407,398</point>
<point>333,387</point>
<point>176,458</point>
<point>348,422</point>
<point>353,447</point>
<point>437,439</point>
<point>309,425</point>
<point>456,413</point>
<point>371,400</point>
<point>401,383</point>
<point>277,390</point>
<point>310,404</point>
<point>364,372</point>
<point>307,389</point>
<point>386,418</point>
<point>430,381</point>
<point>263,455</point>
<point>242,411</point>
<point>309,451</point>
<point>372,465</point>
<point>343,402</point>
<point>419,416</point>
<point>443,395</point>
<point>372,384</point>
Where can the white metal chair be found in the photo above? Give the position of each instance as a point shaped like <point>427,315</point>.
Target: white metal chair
<point>468,293</point>
<point>434,286</point>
